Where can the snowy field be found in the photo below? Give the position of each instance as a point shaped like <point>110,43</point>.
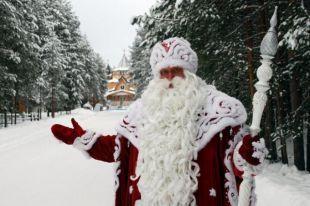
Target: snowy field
<point>36,170</point>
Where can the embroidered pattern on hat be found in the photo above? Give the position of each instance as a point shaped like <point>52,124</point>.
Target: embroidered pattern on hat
<point>173,52</point>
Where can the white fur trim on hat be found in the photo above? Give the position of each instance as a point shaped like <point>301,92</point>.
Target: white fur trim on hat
<point>173,52</point>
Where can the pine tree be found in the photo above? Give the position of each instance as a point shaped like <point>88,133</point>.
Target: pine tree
<point>226,36</point>
<point>44,58</point>
<point>139,63</point>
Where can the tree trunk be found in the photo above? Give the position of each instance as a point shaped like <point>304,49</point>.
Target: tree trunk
<point>308,141</point>
<point>248,40</point>
<point>13,109</point>
<point>53,102</point>
<point>273,143</point>
<point>15,105</point>
<point>262,19</point>
<point>27,104</point>
<point>249,48</point>
<point>5,119</point>
<point>295,98</point>
<point>11,118</point>
<point>40,110</point>
<point>267,131</point>
<point>280,117</point>
<point>93,100</point>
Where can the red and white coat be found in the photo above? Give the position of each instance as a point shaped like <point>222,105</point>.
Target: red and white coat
<point>221,128</point>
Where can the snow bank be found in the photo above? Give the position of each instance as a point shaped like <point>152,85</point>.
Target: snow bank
<point>82,111</point>
<point>283,185</point>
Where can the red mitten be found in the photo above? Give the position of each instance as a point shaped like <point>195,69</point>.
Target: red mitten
<point>66,134</point>
<point>253,149</point>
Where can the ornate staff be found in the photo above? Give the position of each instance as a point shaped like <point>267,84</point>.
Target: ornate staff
<point>268,49</point>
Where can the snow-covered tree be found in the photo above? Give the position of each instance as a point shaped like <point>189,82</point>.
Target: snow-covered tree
<point>44,58</point>
<point>139,63</point>
<point>226,36</point>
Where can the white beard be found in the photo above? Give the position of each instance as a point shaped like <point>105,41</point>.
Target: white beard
<point>167,131</point>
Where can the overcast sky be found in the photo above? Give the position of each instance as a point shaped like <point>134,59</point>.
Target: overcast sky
<point>107,24</point>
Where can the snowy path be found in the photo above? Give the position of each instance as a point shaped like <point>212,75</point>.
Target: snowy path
<point>35,170</point>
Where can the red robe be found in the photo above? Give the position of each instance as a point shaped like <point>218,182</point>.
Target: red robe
<point>220,131</point>
<point>211,160</point>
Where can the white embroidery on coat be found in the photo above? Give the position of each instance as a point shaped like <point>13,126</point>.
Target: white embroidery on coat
<point>230,183</point>
<point>116,155</point>
<point>212,192</point>
<point>220,112</point>
<point>130,189</point>
<point>127,127</point>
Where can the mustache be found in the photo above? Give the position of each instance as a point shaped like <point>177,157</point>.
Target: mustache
<point>170,84</point>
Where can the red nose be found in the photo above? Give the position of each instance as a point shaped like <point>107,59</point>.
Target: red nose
<point>170,76</point>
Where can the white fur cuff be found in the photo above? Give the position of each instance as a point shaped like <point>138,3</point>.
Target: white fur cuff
<point>241,164</point>
<point>260,150</point>
<point>86,141</point>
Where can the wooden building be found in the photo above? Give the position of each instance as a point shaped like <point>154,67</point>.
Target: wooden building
<point>121,91</point>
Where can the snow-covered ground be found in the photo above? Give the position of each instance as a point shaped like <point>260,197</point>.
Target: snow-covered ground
<point>283,185</point>
<point>36,170</point>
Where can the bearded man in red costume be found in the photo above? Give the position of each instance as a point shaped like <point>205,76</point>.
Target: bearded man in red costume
<point>182,143</point>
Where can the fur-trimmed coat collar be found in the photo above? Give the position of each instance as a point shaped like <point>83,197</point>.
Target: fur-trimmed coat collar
<point>218,112</point>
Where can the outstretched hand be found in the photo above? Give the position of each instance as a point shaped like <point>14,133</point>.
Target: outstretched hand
<point>66,134</point>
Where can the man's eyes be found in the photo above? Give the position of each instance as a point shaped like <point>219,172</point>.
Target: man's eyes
<point>173,71</point>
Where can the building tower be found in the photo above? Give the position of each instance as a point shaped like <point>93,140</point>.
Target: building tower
<point>121,91</point>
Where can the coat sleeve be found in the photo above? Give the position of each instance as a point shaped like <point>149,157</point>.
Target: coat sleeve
<point>103,149</point>
<point>97,146</point>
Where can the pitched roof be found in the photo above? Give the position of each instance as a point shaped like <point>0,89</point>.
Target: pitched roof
<point>119,92</point>
<point>123,64</point>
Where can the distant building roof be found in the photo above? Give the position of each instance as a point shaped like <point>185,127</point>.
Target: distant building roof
<point>119,92</point>
<point>114,80</point>
<point>123,64</point>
